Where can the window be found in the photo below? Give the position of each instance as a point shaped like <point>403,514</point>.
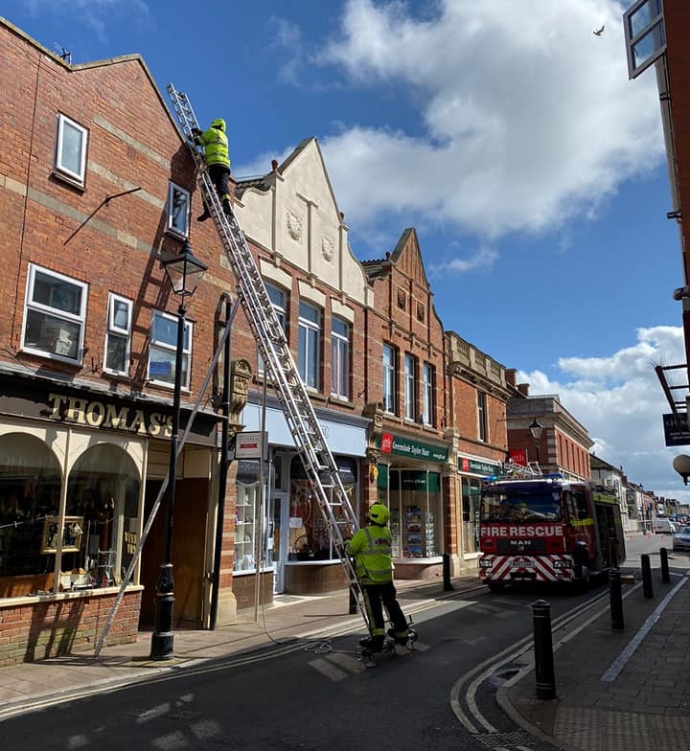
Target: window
<point>308,358</point>
<point>428,394</point>
<point>70,154</point>
<point>410,390</point>
<point>54,315</point>
<point>340,358</point>
<point>645,34</point>
<point>162,350</point>
<point>389,378</point>
<point>118,338</point>
<point>178,210</point>
<point>483,432</point>
<point>278,300</point>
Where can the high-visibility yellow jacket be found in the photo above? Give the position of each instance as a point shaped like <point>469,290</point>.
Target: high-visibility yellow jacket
<point>215,143</point>
<point>371,549</point>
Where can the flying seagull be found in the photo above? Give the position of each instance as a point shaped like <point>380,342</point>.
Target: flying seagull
<point>600,31</point>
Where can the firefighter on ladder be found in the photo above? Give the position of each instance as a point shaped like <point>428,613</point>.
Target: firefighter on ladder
<point>216,156</point>
<point>371,549</point>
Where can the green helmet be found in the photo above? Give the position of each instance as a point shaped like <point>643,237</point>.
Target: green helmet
<point>219,123</point>
<point>379,514</point>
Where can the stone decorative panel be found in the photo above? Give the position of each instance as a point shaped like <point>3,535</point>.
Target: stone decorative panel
<point>294,226</point>
<point>327,248</point>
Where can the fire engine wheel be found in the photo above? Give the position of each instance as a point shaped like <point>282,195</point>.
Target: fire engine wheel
<point>497,586</point>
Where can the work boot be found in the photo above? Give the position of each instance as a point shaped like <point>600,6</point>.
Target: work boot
<point>203,216</point>
<point>399,637</point>
<point>372,643</point>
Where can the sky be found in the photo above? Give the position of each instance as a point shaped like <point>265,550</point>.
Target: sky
<point>532,169</point>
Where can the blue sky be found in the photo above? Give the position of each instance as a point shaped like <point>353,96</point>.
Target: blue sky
<point>531,167</point>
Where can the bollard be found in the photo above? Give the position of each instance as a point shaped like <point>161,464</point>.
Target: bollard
<point>647,587</point>
<point>616,599</point>
<point>665,575</point>
<point>543,650</point>
<point>447,586</point>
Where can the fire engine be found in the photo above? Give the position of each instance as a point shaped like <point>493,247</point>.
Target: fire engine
<point>536,527</point>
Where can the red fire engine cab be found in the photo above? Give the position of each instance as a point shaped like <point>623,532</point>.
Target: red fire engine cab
<point>543,528</point>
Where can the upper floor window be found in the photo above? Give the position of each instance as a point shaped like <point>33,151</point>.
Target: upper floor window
<point>163,335</point>
<point>309,347</point>
<point>427,394</point>
<point>389,378</point>
<point>482,417</point>
<point>70,153</point>
<point>340,358</point>
<point>54,315</point>
<point>278,298</point>
<point>178,210</point>
<point>118,338</point>
<point>410,390</point>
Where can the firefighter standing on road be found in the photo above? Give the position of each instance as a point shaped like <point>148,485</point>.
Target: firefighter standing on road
<point>371,549</point>
<point>216,156</point>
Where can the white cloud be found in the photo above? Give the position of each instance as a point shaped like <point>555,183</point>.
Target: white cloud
<point>527,119</point>
<point>619,400</point>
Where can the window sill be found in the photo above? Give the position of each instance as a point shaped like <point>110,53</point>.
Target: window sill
<point>72,182</point>
<point>12,602</point>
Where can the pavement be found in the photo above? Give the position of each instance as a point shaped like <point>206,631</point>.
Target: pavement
<point>616,689</point>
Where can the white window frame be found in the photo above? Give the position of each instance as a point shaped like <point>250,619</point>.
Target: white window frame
<point>171,347</point>
<point>121,332</point>
<point>278,297</point>
<point>174,188</point>
<point>652,32</point>
<point>427,393</point>
<point>340,358</point>
<point>72,319</point>
<point>309,346</point>
<point>410,375</point>
<point>80,176</point>
<point>482,418</point>
<point>388,379</point>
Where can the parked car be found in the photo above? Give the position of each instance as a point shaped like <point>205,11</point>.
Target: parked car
<point>681,539</point>
<point>663,525</point>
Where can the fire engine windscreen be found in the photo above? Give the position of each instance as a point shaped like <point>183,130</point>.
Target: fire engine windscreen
<point>520,507</point>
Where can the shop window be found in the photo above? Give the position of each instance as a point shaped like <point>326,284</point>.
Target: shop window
<point>278,298</point>
<point>471,489</point>
<point>247,484</point>
<point>118,338</point>
<point>162,352</point>
<point>29,496</point>
<point>54,315</point>
<point>309,537</point>
<point>389,378</point>
<point>103,493</point>
<point>70,151</point>
<point>414,499</point>
<point>309,346</point>
<point>340,358</point>
<point>177,208</point>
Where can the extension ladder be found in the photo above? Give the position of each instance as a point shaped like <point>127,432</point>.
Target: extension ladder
<point>309,439</point>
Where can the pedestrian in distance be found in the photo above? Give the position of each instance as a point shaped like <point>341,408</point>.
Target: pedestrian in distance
<point>370,547</point>
<point>216,155</point>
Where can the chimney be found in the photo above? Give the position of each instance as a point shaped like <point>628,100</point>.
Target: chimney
<point>523,388</point>
<point>511,375</point>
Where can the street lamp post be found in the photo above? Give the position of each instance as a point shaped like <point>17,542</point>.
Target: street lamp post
<point>184,272</point>
<point>535,429</point>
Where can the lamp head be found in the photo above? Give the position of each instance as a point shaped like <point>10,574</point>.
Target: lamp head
<point>682,465</point>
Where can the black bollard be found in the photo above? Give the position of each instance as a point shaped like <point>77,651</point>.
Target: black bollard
<point>447,586</point>
<point>543,650</point>
<point>616,599</point>
<point>647,587</point>
<point>665,574</point>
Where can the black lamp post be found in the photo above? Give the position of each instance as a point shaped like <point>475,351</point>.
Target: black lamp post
<point>184,272</point>
<point>535,429</point>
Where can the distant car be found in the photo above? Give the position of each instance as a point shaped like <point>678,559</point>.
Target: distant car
<point>663,525</point>
<point>681,539</point>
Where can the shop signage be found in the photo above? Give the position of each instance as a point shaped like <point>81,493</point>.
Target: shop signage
<point>248,445</point>
<point>677,433</point>
<point>102,414</point>
<point>411,479</point>
<point>518,456</point>
<point>392,444</point>
<point>477,467</point>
